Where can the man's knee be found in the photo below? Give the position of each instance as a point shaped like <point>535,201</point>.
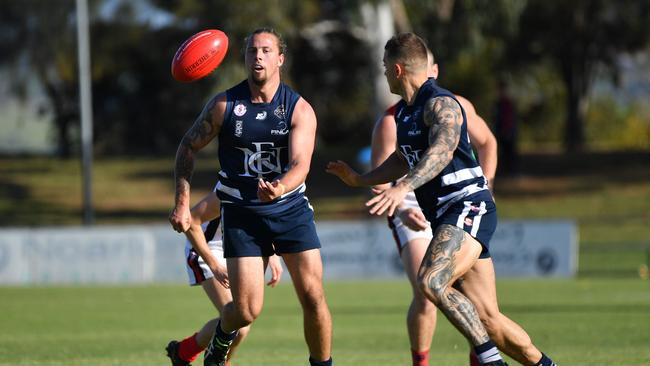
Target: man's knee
<point>245,313</point>
<point>433,286</point>
<point>490,323</point>
<point>423,304</point>
<point>313,300</point>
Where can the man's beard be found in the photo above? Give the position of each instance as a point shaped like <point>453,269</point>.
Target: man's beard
<point>258,81</point>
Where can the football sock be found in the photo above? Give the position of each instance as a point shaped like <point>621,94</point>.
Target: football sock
<point>313,362</point>
<point>420,358</point>
<point>188,349</point>
<point>228,337</point>
<point>545,361</point>
<point>487,352</point>
<point>473,360</point>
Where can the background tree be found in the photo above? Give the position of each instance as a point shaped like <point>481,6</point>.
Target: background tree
<point>576,37</point>
<point>140,109</point>
<point>38,40</point>
<point>468,39</point>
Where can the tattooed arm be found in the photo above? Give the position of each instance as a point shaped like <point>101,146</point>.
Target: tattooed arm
<point>205,128</point>
<point>444,118</point>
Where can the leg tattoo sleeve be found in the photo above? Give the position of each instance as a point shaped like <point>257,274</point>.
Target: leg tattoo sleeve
<point>438,270</point>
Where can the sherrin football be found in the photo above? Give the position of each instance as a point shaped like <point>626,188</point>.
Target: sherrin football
<point>199,55</point>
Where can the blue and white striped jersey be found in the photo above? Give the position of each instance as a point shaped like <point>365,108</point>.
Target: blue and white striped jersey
<point>253,145</point>
<point>461,178</point>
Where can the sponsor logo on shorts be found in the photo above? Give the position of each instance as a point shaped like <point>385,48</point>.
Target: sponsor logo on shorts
<point>240,110</point>
<point>469,221</point>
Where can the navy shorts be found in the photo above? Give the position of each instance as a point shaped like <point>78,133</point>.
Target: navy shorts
<point>248,234</point>
<point>477,218</point>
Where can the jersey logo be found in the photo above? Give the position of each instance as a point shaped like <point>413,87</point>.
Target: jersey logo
<point>279,112</point>
<point>240,110</point>
<point>414,131</point>
<point>280,129</point>
<point>261,116</point>
<point>239,127</point>
<point>264,160</point>
<point>412,156</point>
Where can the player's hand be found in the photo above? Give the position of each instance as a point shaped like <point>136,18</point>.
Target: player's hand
<point>220,273</point>
<point>180,218</point>
<point>344,172</point>
<point>414,219</point>
<point>276,270</point>
<point>388,200</point>
<point>268,191</point>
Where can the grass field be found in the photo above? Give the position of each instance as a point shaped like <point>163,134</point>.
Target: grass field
<point>600,318</point>
<point>578,322</point>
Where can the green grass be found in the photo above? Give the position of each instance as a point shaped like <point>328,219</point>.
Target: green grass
<point>600,318</point>
<point>578,322</point>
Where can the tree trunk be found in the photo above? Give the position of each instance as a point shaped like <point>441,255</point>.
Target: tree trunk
<point>577,74</point>
<point>63,138</point>
<point>574,138</point>
<point>63,116</point>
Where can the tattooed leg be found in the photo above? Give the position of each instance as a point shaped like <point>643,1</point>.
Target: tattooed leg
<point>448,257</point>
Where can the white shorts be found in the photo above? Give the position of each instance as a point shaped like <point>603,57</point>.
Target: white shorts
<point>402,233</point>
<point>197,270</point>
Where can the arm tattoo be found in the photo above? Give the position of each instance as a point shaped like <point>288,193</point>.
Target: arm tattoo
<point>444,118</point>
<point>199,135</point>
<point>439,263</point>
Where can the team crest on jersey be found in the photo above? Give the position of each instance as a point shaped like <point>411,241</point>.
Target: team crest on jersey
<point>264,160</point>
<point>240,110</point>
<point>279,112</point>
<point>261,116</point>
<point>469,221</point>
<point>412,156</point>
<point>239,127</point>
<point>280,129</point>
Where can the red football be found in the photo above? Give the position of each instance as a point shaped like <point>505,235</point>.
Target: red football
<point>199,55</point>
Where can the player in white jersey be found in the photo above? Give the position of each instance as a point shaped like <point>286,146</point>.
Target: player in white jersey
<point>206,266</point>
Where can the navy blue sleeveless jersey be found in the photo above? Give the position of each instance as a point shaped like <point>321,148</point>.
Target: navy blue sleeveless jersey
<point>460,179</point>
<point>253,145</point>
